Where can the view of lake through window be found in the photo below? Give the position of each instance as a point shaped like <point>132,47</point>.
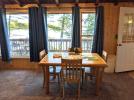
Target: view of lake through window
<point>88,23</point>
<point>59,31</point>
<point>18,31</point>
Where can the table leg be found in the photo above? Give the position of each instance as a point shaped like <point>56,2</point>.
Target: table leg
<point>54,71</point>
<point>47,79</point>
<point>99,72</point>
<point>43,76</point>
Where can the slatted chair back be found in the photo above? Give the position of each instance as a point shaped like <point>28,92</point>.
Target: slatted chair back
<point>71,69</point>
<point>42,54</point>
<point>78,50</point>
<point>70,49</point>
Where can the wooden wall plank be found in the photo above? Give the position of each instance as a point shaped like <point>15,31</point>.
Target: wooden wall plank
<point>111,17</point>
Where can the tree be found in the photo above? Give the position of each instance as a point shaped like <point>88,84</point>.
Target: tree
<point>89,24</point>
<point>14,24</point>
<point>63,26</point>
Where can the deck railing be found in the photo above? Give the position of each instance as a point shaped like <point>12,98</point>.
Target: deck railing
<point>20,47</point>
<point>64,44</point>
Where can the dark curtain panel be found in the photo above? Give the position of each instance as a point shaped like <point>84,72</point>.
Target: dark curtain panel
<point>37,32</point>
<point>4,38</point>
<point>76,27</point>
<point>99,31</point>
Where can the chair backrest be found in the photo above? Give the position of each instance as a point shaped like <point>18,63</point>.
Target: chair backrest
<point>104,55</point>
<point>42,54</point>
<point>78,50</point>
<point>71,68</point>
<point>70,49</point>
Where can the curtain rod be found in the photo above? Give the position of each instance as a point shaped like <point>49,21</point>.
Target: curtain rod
<point>51,5</point>
<point>50,8</point>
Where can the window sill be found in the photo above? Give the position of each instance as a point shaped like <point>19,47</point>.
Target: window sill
<point>18,57</point>
<point>23,57</point>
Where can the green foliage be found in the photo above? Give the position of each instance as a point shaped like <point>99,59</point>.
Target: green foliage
<point>89,24</point>
<point>55,28</point>
<point>64,24</point>
<point>14,24</point>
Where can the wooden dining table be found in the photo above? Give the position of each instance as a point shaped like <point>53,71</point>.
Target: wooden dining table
<point>88,60</point>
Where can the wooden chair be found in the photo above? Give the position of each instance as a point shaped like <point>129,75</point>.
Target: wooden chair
<point>70,49</point>
<point>77,51</point>
<point>53,70</point>
<point>70,73</point>
<point>92,71</point>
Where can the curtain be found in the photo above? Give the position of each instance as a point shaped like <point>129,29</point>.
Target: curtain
<point>99,31</point>
<point>76,27</point>
<point>37,32</point>
<point>4,38</point>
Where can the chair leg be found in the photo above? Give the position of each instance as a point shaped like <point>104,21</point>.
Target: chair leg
<point>91,77</point>
<point>78,91</point>
<point>63,92</point>
<point>62,89</point>
<point>43,76</point>
<point>82,76</point>
<point>58,79</point>
<point>54,71</point>
<point>86,77</point>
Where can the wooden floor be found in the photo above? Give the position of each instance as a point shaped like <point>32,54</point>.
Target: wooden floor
<point>27,85</point>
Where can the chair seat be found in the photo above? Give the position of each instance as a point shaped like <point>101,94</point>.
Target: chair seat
<point>90,71</point>
<point>87,69</point>
<point>58,69</point>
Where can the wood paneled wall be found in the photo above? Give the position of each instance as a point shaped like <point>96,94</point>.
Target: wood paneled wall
<point>111,18</point>
<point>19,63</point>
<point>111,13</point>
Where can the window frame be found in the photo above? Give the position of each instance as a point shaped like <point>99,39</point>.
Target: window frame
<point>56,10</point>
<point>16,11</point>
<point>82,11</point>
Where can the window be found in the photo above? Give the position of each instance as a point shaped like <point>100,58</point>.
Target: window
<point>18,34</point>
<point>59,31</point>
<point>88,23</point>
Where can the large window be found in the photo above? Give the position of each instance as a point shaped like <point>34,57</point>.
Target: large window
<point>18,34</point>
<point>59,31</point>
<point>88,23</point>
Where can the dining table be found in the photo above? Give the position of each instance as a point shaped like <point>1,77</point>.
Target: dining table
<point>92,60</point>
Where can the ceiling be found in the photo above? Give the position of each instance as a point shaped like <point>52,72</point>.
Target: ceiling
<point>3,2</point>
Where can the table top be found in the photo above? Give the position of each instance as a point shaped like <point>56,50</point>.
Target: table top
<point>88,59</point>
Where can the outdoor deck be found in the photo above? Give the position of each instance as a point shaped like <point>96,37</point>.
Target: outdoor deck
<point>21,46</point>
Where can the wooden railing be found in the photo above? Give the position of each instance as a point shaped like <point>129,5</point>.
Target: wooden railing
<point>59,44</point>
<point>20,47</point>
<point>64,44</point>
